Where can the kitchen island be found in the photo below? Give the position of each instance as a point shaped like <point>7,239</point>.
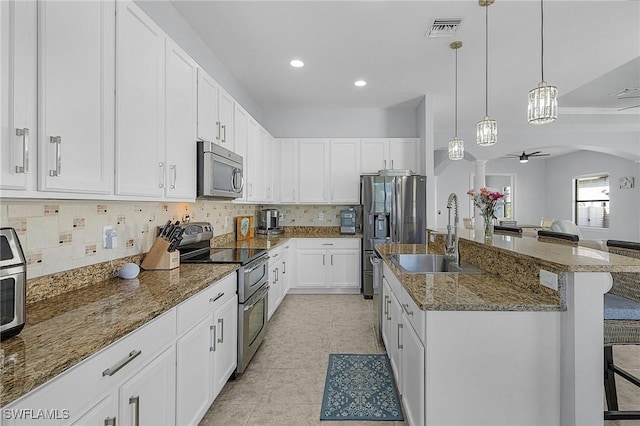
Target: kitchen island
<point>499,347</point>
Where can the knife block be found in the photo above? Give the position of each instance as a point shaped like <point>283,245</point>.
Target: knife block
<point>159,258</point>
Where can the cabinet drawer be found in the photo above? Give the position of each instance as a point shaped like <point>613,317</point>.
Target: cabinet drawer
<point>328,243</point>
<point>78,388</point>
<point>416,316</point>
<point>191,310</point>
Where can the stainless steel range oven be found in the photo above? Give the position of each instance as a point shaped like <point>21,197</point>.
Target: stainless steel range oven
<point>13,276</point>
<point>253,285</point>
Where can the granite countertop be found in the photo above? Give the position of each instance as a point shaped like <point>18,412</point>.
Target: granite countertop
<point>63,330</point>
<point>558,257</point>
<point>466,292</point>
<point>271,241</point>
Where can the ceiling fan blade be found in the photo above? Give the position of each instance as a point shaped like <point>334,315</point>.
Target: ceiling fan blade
<point>634,106</point>
<point>628,97</point>
<point>533,153</point>
<point>538,155</point>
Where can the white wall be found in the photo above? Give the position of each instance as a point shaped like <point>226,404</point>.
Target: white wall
<point>625,203</point>
<point>169,19</point>
<point>340,123</point>
<point>529,189</point>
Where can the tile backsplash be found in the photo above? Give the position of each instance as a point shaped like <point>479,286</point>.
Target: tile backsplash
<point>59,235</point>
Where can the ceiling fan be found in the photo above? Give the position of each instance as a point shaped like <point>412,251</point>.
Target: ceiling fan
<point>524,157</point>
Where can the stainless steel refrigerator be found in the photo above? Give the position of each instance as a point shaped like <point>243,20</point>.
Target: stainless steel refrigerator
<point>394,210</point>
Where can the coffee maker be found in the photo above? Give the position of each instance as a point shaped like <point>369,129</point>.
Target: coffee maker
<point>348,221</point>
<point>269,222</point>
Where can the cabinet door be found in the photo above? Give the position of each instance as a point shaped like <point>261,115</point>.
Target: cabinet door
<point>139,104</point>
<point>240,131</point>
<point>345,171</point>
<point>194,373</point>
<point>18,30</point>
<point>148,398</point>
<point>374,155</point>
<point>403,154</point>
<point>225,354</point>
<point>208,125</point>
<point>102,414</point>
<point>412,353</point>
<point>394,346</point>
<point>274,172</point>
<point>345,268</point>
<point>311,268</point>
<point>264,166</point>
<point>180,123</point>
<point>225,116</point>
<point>386,313</point>
<point>313,160</point>
<point>76,96</point>
<point>252,171</point>
<point>288,171</point>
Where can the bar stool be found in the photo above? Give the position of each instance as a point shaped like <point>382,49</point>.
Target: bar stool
<point>558,238</point>
<point>621,326</point>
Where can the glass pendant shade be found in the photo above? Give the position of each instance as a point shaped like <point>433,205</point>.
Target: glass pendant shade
<point>456,149</point>
<point>543,104</point>
<point>487,132</point>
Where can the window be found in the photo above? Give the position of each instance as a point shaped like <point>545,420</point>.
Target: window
<point>592,201</point>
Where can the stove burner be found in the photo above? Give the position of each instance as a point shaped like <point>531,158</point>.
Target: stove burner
<point>225,255</point>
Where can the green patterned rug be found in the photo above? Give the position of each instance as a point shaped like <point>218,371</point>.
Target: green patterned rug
<point>360,387</point>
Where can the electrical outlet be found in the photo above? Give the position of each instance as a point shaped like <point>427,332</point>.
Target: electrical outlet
<point>109,237</point>
<point>320,216</point>
<point>549,279</point>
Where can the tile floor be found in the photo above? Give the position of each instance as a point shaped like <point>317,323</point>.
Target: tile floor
<point>284,383</point>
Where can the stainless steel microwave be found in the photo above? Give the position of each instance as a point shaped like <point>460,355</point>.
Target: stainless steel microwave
<point>219,172</point>
<point>13,277</point>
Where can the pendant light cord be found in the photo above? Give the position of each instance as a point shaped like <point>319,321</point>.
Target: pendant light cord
<point>456,102</point>
<point>542,39</point>
<point>486,60</point>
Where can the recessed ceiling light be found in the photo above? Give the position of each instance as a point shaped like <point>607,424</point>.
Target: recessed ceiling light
<point>296,63</point>
<point>360,83</point>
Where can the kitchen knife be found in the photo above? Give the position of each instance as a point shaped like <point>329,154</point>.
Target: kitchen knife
<point>176,242</point>
<point>163,231</point>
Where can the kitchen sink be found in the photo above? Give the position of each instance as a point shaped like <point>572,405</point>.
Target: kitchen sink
<point>430,263</point>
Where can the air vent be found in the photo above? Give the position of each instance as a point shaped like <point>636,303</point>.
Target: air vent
<point>446,27</point>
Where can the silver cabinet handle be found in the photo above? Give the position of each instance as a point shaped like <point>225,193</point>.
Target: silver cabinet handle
<point>57,140</point>
<point>389,310</point>
<point>212,346</point>
<point>224,133</point>
<point>218,124</point>
<point>385,164</point>
<point>277,274</point>
<point>392,164</point>
<point>221,322</point>
<point>327,244</point>
<point>113,370</point>
<point>110,421</point>
<point>323,257</point>
<point>284,267</point>
<point>25,151</point>
<point>331,259</point>
<point>406,309</point>
<point>399,328</point>
<point>136,414</point>
<point>386,307</point>
<point>162,181</point>
<point>175,175</point>
<point>213,299</point>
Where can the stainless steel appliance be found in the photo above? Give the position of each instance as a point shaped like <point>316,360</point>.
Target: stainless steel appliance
<point>269,222</point>
<point>394,210</point>
<point>348,221</point>
<point>253,285</point>
<point>219,172</point>
<point>13,277</point>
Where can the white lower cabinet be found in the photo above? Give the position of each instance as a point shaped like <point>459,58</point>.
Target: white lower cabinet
<point>412,362</point>
<point>166,372</point>
<point>279,277</point>
<point>330,265</point>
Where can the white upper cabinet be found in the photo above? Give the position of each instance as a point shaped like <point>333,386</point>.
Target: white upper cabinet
<point>18,31</point>
<point>395,153</point>
<point>288,173</point>
<point>274,170</point>
<point>139,104</point>
<point>215,112</point>
<point>180,123</point>
<point>251,172</point>
<point>240,130</point>
<point>264,166</point>
<point>225,117</point>
<point>313,166</point>
<point>345,171</point>
<point>208,125</point>
<point>76,103</point>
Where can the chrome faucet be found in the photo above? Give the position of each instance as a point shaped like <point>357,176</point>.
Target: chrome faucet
<point>451,250</point>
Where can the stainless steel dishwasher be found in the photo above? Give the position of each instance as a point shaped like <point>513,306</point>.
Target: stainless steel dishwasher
<point>376,261</point>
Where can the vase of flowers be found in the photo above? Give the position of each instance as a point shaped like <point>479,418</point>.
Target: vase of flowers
<point>486,200</point>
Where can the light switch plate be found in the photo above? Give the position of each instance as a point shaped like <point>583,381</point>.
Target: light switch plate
<point>549,279</point>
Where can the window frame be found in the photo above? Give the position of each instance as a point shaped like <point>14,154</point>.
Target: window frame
<point>576,201</point>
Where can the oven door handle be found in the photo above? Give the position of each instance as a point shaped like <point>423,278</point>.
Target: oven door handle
<point>257,297</point>
<point>262,263</point>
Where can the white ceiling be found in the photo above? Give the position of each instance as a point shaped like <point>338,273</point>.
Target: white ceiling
<point>591,49</point>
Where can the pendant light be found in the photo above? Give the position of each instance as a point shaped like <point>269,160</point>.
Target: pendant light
<point>543,100</point>
<point>456,145</point>
<point>487,129</point>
